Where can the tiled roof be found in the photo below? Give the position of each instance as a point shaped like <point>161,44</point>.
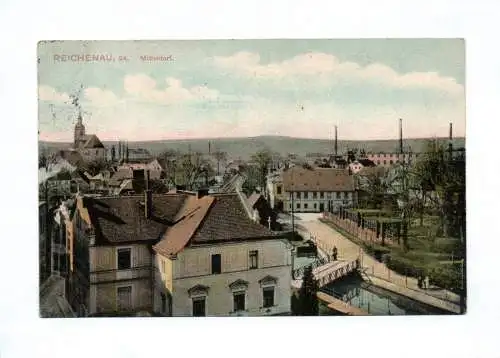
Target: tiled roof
<point>120,175</point>
<point>93,142</point>
<point>122,219</point>
<point>177,220</point>
<point>188,221</point>
<point>227,220</point>
<point>73,157</point>
<point>318,179</point>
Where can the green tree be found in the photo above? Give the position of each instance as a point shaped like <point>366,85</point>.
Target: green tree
<point>373,185</point>
<point>96,166</point>
<point>220,157</point>
<point>308,301</point>
<point>263,160</point>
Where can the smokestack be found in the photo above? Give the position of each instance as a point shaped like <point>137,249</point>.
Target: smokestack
<point>148,197</point>
<point>450,143</point>
<point>209,151</point>
<point>336,148</point>
<point>400,136</point>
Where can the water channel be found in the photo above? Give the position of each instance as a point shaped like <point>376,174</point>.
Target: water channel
<point>372,299</point>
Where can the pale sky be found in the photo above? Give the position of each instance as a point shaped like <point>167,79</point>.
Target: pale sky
<point>236,88</point>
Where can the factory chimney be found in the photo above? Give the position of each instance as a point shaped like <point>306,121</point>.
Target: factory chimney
<point>400,136</point>
<point>336,147</point>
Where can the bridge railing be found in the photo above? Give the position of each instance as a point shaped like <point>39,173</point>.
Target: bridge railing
<point>297,273</point>
<point>339,272</point>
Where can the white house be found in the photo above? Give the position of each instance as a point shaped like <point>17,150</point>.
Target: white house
<point>219,262</point>
<point>318,189</point>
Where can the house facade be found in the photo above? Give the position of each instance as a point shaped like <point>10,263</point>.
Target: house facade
<point>274,183</point>
<point>225,265</point>
<point>318,189</point>
<point>389,159</point>
<point>238,279</point>
<point>154,253</point>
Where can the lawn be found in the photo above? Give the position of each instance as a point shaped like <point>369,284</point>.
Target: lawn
<point>427,254</point>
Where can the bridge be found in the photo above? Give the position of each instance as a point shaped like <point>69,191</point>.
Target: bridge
<point>326,271</point>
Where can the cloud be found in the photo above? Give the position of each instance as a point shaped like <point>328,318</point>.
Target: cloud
<point>99,97</point>
<point>143,87</point>
<point>326,69</point>
<point>49,94</point>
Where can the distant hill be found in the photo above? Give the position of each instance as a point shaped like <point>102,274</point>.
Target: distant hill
<point>244,147</point>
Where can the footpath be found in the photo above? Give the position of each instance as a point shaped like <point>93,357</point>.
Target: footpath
<point>326,238</point>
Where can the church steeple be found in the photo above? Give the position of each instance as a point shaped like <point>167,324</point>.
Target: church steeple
<point>79,131</point>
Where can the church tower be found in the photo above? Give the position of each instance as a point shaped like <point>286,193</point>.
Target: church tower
<point>79,132</point>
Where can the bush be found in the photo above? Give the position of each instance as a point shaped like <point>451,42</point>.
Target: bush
<point>404,266</point>
<point>446,276</point>
<point>386,258</point>
<point>447,245</point>
<point>375,251</point>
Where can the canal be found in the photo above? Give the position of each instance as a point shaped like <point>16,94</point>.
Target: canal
<point>375,300</point>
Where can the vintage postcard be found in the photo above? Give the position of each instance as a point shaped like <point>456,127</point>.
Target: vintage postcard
<point>252,178</point>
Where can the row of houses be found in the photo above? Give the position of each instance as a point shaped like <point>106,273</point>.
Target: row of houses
<point>307,189</point>
<point>176,254</point>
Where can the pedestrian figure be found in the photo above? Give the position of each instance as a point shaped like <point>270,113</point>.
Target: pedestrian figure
<point>427,284</point>
<point>419,281</point>
<point>334,253</point>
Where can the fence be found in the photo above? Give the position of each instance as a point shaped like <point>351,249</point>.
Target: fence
<point>363,232</point>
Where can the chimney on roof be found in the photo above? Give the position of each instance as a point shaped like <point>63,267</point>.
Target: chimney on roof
<point>148,198</point>
<point>202,193</point>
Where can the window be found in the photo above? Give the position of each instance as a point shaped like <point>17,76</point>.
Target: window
<point>199,307</point>
<point>385,162</point>
<point>298,195</point>
<point>390,161</point>
<point>289,206</point>
<point>162,266</point>
<point>278,189</point>
<point>305,206</point>
<point>315,205</point>
<point>254,259</point>
<point>268,296</point>
<point>124,296</point>
<point>337,195</point>
<point>216,264</point>
<point>315,195</point>
<point>321,195</point>
<point>298,205</point>
<point>239,301</point>
<point>124,259</point>
<point>163,303</point>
